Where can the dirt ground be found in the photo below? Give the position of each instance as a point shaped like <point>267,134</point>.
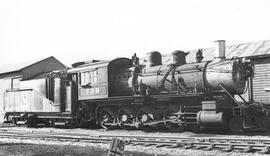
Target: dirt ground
<point>26,149</point>
<point>20,149</point>
<point>51,148</point>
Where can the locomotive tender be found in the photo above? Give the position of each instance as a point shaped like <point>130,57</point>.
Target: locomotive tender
<point>126,94</point>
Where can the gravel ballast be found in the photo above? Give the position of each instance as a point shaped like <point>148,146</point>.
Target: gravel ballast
<point>23,147</point>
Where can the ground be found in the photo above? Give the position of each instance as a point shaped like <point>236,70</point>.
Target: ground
<point>51,148</point>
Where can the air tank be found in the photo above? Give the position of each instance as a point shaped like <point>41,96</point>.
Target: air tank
<point>154,59</point>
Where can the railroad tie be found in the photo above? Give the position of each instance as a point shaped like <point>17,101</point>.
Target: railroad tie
<point>141,144</point>
<point>199,147</point>
<point>209,147</point>
<point>162,145</point>
<point>76,140</point>
<point>247,149</point>
<point>265,150</point>
<point>133,144</point>
<point>201,140</point>
<point>265,142</point>
<point>174,146</point>
<point>188,146</point>
<point>146,145</point>
<point>228,148</point>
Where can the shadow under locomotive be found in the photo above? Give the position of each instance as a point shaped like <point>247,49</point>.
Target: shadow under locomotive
<point>123,93</point>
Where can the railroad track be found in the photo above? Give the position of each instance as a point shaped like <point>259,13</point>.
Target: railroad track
<point>199,143</point>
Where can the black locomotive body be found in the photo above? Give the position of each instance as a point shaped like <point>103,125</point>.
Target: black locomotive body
<point>123,93</point>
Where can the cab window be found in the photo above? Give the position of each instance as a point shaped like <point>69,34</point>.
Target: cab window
<point>89,77</point>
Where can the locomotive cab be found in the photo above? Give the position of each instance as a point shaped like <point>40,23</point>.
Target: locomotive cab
<point>103,79</point>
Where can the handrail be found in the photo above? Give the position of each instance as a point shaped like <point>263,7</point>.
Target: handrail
<point>50,102</point>
<point>19,90</point>
<point>37,93</point>
<point>229,94</point>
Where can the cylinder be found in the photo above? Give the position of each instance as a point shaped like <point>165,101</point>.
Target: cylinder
<point>210,118</point>
<point>154,59</point>
<point>220,50</point>
<point>179,58</point>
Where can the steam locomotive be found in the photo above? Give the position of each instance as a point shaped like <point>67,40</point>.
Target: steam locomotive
<point>124,93</point>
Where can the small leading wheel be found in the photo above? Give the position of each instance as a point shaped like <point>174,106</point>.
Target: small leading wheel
<point>236,124</point>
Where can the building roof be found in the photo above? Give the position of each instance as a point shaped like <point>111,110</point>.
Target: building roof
<point>251,49</point>
<point>20,66</point>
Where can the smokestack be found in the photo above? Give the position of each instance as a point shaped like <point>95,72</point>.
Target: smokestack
<point>220,50</point>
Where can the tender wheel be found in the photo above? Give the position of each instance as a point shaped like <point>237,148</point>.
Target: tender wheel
<point>31,123</point>
<point>106,118</point>
<point>81,122</point>
<point>14,121</point>
<point>72,123</point>
<point>125,118</point>
<point>31,120</point>
<point>236,124</point>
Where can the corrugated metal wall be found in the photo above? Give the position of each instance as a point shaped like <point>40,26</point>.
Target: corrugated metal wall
<point>261,80</point>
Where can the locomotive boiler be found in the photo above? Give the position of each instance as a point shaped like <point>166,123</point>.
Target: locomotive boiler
<point>196,77</point>
<point>124,93</point>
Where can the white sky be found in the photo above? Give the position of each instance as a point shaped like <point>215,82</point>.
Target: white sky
<point>104,29</point>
